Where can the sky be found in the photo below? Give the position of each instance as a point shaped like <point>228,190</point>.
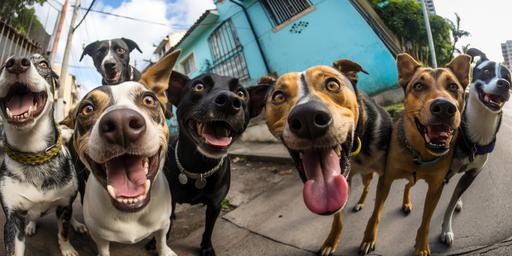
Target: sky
<point>487,21</point>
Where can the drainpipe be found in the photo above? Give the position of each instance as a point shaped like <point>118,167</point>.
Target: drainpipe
<point>254,33</point>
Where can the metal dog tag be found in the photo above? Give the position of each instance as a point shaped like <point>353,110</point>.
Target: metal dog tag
<point>182,178</point>
<point>200,183</point>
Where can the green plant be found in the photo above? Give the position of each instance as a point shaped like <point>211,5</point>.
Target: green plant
<point>20,15</point>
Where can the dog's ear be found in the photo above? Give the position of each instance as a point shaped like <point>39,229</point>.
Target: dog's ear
<point>258,95</point>
<point>407,66</point>
<point>460,67</point>
<point>473,52</point>
<point>89,49</point>
<point>69,121</point>
<point>157,77</point>
<point>131,44</point>
<point>177,86</point>
<point>349,69</point>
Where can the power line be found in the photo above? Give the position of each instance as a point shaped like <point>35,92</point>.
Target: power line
<point>127,17</point>
<point>85,15</point>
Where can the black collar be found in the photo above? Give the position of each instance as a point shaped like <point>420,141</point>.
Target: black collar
<point>416,156</point>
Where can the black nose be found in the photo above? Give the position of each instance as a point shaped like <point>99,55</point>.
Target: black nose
<point>228,102</point>
<point>443,109</point>
<point>17,65</point>
<point>503,84</point>
<point>109,65</point>
<point>122,127</point>
<point>310,120</point>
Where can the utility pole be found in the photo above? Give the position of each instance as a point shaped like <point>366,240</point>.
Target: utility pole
<point>429,34</point>
<point>56,38</point>
<point>60,104</point>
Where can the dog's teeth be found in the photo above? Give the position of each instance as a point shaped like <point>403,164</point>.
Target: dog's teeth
<point>301,156</point>
<point>125,201</point>
<point>8,111</point>
<point>111,191</point>
<point>338,150</point>
<point>147,186</point>
<point>120,200</point>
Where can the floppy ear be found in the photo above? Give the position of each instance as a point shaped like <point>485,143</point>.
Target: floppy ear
<point>349,69</point>
<point>89,49</point>
<point>407,66</point>
<point>258,95</point>
<point>473,52</point>
<point>156,77</point>
<point>460,66</point>
<point>177,86</point>
<point>131,44</point>
<point>69,120</point>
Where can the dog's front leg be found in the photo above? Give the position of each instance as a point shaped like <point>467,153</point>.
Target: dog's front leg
<point>14,234</point>
<point>465,181</point>
<point>332,241</point>
<point>212,213</point>
<point>367,180</point>
<point>161,241</point>
<point>435,188</point>
<point>64,214</point>
<point>407,204</point>
<point>102,245</point>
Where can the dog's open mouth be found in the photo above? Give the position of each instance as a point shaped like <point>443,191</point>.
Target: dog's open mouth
<point>325,189</point>
<point>437,136</point>
<point>493,102</point>
<point>113,77</point>
<point>128,179</point>
<point>21,105</point>
<point>216,135</point>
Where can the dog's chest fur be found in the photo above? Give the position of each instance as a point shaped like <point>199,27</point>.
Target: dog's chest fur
<point>37,189</point>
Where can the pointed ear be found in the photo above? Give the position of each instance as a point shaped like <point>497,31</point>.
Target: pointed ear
<point>407,67</point>
<point>156,77</point>
<point>473,52</point>
<point>460,66</point>
<point>258,95</point>
<point>131,44</point>
<point>349,69</point>
<point>177,86</point>
<point>89,49</point>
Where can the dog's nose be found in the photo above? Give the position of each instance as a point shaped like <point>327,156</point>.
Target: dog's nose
<point>17,65</point>
<point>443,109</point>
<point>228,102</point>
<point>503,84</point>
<point>122,127</point>
<point>310,120</point>
<point>109,65</point>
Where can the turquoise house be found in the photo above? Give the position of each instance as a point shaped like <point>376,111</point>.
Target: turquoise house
<point>251,38</point>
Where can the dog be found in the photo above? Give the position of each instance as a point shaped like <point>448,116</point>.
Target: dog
<point>422,140</point>
<point>212,112</point>
<point>112,60</point>
<point>488,92</point>
<point>122,137</point>
<point>323,120</point>
<point>37,174</point>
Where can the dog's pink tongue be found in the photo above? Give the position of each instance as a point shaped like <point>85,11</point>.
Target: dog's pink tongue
<point>217,137</point>
<point>126,174</point>
<point>20,103</point>
<point>439,132</point>
<point>326,190</point>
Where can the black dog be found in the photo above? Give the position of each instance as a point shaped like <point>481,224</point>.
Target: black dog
<point>111,59</point>
<point>212,112</point>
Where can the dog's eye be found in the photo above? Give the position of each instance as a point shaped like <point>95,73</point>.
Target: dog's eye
<point>418,86</point>
<point>149,101</point>
<point>453,87</point>
<point>43,64</point>
<point>241,94</point>
<point>198,87</point>
<point>120,50</point>
<point>87,110</point>
<point>333,86</point>
<point>278,97</point>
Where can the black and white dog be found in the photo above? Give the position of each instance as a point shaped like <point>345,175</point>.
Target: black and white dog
<point>37,174</point>
<point>488,92</point>
<point>112,60</point>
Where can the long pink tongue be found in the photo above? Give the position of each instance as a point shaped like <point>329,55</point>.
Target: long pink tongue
<point>20,103</point>
<point>217,137</point>
<point>126,174</point>
<point>326,190</point>
<point>439,132</point>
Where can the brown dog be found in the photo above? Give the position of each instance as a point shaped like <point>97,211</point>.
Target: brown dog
<point>421,144</point>
<point>320,117</point>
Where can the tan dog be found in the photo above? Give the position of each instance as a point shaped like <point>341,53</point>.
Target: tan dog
<point>316,114</point>
<point>421,144</point>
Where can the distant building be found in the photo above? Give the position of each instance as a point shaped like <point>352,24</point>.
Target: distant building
<point>167,43</point>
<point>71,91</point>
<point>506,50</point>
<point>430,6</point>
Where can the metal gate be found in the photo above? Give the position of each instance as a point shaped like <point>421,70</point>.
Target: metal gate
<point>14,43</point>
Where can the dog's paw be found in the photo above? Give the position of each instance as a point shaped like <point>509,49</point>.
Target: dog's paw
<point>458,206</point>
<point>422,252</point>
<point>66,249</point>
<point>30,228</point>
<point>407,208</point>
<point>207,251</point>
<point>447,238</point>
<point>357,207</point>
<point>367,247</point>
<point>326,251</point>
<point>78,226</point>
<point>167,252</point>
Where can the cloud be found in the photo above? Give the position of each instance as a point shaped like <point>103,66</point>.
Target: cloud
<point>100,26</point>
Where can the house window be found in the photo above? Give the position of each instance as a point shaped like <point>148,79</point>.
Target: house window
<point>282,10</point>
<point>227,53</point>
<point>188,64</point>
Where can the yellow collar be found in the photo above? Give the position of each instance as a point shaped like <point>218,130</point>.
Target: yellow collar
<point>36,158</point>
<point>358,149</point>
